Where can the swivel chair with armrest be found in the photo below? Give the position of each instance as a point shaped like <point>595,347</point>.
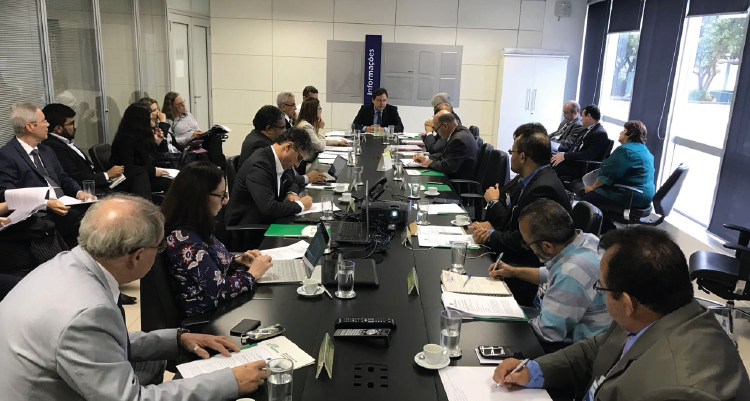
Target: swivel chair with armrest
<point>725,276</point>
<point>232,167</point>
<point>575,185</point>
<point>587,218</point>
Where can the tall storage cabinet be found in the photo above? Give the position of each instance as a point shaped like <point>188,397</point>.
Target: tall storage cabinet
<point>531,87</point>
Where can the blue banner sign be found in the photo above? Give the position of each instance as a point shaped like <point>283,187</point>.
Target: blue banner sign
<point>371,77</point>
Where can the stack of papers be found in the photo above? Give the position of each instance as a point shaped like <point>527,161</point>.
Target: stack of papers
<point>444,241</point>
<point>294,251</point>
<point>462,383</point>
<point>417,142</point>
<point>411,163</point>
<point>337,133</point>
<point>438,230</point>
<point>459,283</point>
<point>317,207</point>
<point>345,149</point>
<point>330,155</point>
<point>171,173</point>
<point>407,147</point>
<point>24,202</point>
<point>478,306</point>
<point>445,208</point>
<point>278,347</point>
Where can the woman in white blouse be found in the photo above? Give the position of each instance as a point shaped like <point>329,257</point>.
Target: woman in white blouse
<point>309,120</point>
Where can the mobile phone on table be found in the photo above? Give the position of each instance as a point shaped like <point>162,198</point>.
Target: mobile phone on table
<point>244,326</point>
<point>499,352</point>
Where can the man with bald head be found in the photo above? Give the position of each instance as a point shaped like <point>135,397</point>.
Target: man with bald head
<point>459,158</point>
<point>569,128</point>
<point>64,333</point>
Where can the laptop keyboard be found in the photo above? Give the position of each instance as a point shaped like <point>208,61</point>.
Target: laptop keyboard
<point>350,231</point>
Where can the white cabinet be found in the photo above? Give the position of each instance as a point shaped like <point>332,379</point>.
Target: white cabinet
<point>531,89</point>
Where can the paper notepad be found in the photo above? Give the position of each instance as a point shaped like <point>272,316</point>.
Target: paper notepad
<point>454,282</point>
<point>480,306</point>
<point>462,383</point>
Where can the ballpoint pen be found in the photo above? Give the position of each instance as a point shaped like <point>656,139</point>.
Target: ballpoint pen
<point>468,277</point>
<point>326,291</point>
<point>516,370</point>
<point>499,257</point>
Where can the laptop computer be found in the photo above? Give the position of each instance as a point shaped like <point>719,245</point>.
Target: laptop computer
<point>349,232</point>
<point>296,270</point>
<point>331,171</point>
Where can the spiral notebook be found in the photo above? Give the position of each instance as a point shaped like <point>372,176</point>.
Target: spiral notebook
<point>454,282</point>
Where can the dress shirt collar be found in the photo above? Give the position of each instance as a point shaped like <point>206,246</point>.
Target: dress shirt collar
<point>279,167</point>
<point>26,147</point>
<point>631,338</point>
<point>62,138</point>
<point>577,243</point>
<point>525,180</point>
<point>114,286</point>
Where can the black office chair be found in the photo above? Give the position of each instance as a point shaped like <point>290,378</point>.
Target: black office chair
<point>575,184</point>
<point>232,168</point>
<point>474,131</point>
<point>158,307</point>
<point>587,218</point>
<point>497,171</point>
<point>725,276</point>
<point>663,202</point>
<point>100,154</point>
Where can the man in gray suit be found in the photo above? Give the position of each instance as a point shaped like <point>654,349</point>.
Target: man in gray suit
<point>663,345</point>
<point>64,336</point>
<point>570,127</point>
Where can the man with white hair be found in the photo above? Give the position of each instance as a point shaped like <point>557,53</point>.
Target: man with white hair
<point>569,128</point>
<point>285,101</point>
<point>64,333</point>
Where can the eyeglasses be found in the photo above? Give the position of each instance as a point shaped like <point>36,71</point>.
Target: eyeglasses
<point>511,151</point>
<point>41,122</point>
<point>299,155</point>
<point>290,104</point>
<point>224,196</point>
<point>159,248</point>
<point>277,127</point>
<point>320,108</point>
<point>528,246</point>
<point>601,290</point>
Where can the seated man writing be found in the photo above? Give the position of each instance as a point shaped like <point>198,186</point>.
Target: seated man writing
<point>459,158</point>
<point>570,308</point>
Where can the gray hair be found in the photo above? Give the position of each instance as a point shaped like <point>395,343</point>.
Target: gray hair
<point>110,237</point>
<point>441,98</point>
<point>548,221</point>
<point>282,98</point>
<point>574,106</point>
<point>22,113</point>
<point>447,117</point>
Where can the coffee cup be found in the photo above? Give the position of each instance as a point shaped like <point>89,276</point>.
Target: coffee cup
<point>462,220</point>
<point>346,197</point>
<point>341,187</point>
<point>432,191</point>
<point>310,286</point>
<point>433,353</point>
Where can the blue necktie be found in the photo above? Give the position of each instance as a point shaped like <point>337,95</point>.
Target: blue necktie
<point>379,120</point>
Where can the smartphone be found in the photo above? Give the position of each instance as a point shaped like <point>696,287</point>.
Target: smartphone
<point>499,352</point>
<point>244,326</point>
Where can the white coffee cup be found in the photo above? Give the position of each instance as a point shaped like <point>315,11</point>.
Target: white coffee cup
<point>462,220</point>
<point>341,187</point>
<point>432,191</point>
<point>310,286</point>
<point>433,353</point>
<point>346,197</point>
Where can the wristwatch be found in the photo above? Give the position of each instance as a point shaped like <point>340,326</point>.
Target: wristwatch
<point>180,332</point>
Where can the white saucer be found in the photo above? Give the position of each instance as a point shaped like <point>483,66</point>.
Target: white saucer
<point>344,201</point>
<point>309,231</point>
<point>429,194</point>
<point>300,291</point>
<point>423,363</point>
<point>455,223</point>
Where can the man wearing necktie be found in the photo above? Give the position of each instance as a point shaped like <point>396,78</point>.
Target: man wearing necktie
<point>663,345</point>
<point>569,128</point>
<point>379,113</point>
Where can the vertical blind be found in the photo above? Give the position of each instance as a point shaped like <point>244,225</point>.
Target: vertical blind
<point>713,7</point>
<point>21,67</point>
<point>597,20</point>
<point>626,16</point>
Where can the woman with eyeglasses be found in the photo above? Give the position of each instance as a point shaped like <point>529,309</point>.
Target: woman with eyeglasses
<point>310,121</point>
<point>204,272</point>
<point>185,128</point>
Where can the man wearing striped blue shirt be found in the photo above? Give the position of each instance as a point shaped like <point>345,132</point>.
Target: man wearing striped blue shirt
<point>570,309</point>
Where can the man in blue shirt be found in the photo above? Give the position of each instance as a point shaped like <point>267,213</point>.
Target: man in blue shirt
<point>379,113</point>
<point>663,346</point>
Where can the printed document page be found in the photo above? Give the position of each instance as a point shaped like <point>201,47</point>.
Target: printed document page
<point>474,383</point>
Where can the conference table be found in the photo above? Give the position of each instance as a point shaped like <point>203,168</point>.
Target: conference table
<point>389,371</point>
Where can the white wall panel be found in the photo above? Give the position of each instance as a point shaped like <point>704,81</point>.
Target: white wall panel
<point>343,115</point>
<point>292,74</point>
<point>566,34</point>
<point>439,13</point>
<point>530,39</point>
<point>492,14</point>
<point>484,46</point>
<point>427,36</point>
<point>303,10</point>
<point>257,9</point>
<point>357,32</point>
<point>239,106</point>
<point>413,117</point>
<point>232,71</point>
<point>301,39</point>
<point>532,15</point>
<point>242,36</point>
<point>478,82</point>
<point>481,114</point>
<point>365,11</point>
<point>233,144</point>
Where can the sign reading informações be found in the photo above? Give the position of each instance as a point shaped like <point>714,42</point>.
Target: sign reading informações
<point>371,77</point>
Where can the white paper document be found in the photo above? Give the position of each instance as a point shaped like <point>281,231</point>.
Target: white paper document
<point>70,201</point>
<point>411,163</point>
<point>317,207</point>
<point>417,142</point>
<point>171,173</point>
<point>294,251</point>
<point>408,153</point>
<point>337,133</point>
<point>407,147</point>
<point>331,155</point>
<point>338,149</point>
<point>445,208</point>
<point>444,241</point>
<point>483,306</point>
<point>24,202</point>
<point>459,283</point>
<point>437,230</point>
<point>278,347</point>
<point>474,383</point>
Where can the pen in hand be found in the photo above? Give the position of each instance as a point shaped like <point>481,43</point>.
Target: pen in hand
<point>497,262</point>
<point>515,370</point>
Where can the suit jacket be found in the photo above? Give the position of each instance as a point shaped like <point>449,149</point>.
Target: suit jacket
<point>254,197</point>
<point>685,355</point>
<point>253,141</point>
<point>434,144</point>
<point>590,144</point>
<point>18,171</point>
<point>79,168</point>
<point>366,115</point>
<point>459,159</point>
<point>71,344</point>
<point>567,133</point>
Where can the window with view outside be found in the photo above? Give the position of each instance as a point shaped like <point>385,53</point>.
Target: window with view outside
<point>617,81</point>
<point>701,105</point>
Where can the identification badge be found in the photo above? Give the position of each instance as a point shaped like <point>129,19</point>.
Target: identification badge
<point>592,390</point>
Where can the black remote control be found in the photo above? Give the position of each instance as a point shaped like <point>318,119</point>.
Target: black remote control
<point>365,323</point>
<point>374,334</point>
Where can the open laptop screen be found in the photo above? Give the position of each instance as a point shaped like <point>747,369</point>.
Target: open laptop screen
<point>316,248</point>
<point>338,164</point>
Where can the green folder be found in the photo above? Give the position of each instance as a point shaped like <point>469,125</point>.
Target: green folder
<point>432,173</point>
<point>283,230</point>
<point>440,187</point>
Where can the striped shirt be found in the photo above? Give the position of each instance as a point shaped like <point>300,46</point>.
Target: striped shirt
<point>571,309</point>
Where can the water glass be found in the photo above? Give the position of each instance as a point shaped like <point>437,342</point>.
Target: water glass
<point>351,159</point>
<point>423,212</point>
<point>414,187</point>
<point>280,374</point>
<point>358,175</point>
<point>450,332</point>
<point>328,244</point>
<point>345,280</point>
<point>327,204</point>
<point>458,256</point>
<point>89,190</point>
<point>398,170</point>
<point>391,130</point>
<point>385,137</point>
<point>353,131</point>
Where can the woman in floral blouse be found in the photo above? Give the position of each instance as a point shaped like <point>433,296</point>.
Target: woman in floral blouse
<point>204,271</point>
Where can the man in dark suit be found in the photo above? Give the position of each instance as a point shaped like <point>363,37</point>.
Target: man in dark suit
<point>591,144</point>
<point>569,128</point>
<point>26,163</point>
<point>459,159</point>
<point>433,143</point>
<point>529,156</point>
<point>664,345</point>
<point>61,134</point>
<point>285,102</point>
<point>264,190</point>
<point>379,112</point>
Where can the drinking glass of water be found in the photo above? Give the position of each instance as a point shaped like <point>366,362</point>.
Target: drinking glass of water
<point>423,212</point>
<point>458,256</point>
<point>327,204</point>
<point>398,170</point>
<point>450,332</point>
<point>414,186</point>
<point>280,379</point>
<point>358,174</point>
<point>345,280</point>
